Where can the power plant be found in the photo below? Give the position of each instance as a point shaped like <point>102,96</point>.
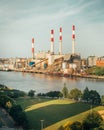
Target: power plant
<point>49,62</point>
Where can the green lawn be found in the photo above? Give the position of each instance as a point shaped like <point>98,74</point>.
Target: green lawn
<point>78,117</point>
<point>53,112</point>
<point>26,102</point>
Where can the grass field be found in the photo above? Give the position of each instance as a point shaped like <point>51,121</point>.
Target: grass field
<point>78,117</point>
<point>26,102</point>
<point>53,112</point>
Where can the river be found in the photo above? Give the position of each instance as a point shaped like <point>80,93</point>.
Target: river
<point>42,83</point>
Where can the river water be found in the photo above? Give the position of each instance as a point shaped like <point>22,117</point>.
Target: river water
<point>42,83</point>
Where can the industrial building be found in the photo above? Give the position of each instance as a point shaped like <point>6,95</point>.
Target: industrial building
<point>91,61</point>
<point>100,62</point>
<point>52,62</point>
<point>49,62</point>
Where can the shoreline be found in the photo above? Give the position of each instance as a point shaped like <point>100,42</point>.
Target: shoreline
<point>60,74</point>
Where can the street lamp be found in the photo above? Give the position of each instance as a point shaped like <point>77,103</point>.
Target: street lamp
<point>42,124</point>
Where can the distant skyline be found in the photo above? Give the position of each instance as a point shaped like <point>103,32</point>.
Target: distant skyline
<point>21,20</point>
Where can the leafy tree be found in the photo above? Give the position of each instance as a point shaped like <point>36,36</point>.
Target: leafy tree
<point>19,116</point>
<point>75,94</point>
<point>4,99</point>
<point>31,93</point>
<point>60,95</point>
<point>91,96</point>
<point>85,95</point>
<point>94,97</point>
<point>53,94</point>
<point>99,71</point>
<point>92,120</point>
<point>65,91</point>
<point>15,110</point>
<point>3,87</point>
<point>76,126</point>
<point>41,94</point>
<point>102,100</point>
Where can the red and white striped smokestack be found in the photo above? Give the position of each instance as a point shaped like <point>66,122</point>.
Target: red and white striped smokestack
<point>52,41</point>
<point>73,39</point>
<point>33,48</point>
<point>60,40</point>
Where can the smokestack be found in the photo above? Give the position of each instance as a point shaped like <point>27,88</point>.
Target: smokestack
<point>60,41</point>
<point>33,48</point>
<point>73,39</point>
<point>52,41</point>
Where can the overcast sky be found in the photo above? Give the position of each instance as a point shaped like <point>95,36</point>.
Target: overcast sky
<point>20,20</point>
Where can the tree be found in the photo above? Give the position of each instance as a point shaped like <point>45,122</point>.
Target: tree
<point>76,126</point>
<point>53,94</point>
<point>65,91</point>
<point>85,95</point>
<point>31,93</point>
<point>19,116</point>
<point>15,110</point>
<point>94,97</point>
<point>99,71</point>
<point>102,100</point>
<point>75,94</point>
<point>91,96</point>
<point>4,101</point>
<point>92,120</point>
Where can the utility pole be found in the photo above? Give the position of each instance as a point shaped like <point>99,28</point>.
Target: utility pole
<point>42,124</point>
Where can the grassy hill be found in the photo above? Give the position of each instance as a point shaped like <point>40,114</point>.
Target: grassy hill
<point>53,112</point>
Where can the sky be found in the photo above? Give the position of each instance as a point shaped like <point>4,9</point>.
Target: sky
<point>21,20</point>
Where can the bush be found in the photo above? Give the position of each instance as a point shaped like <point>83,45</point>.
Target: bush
<point>19,116</point>
<point>31,93</point>
<point>76,126</point>
<point>4,100</point>
<point>92,120</point>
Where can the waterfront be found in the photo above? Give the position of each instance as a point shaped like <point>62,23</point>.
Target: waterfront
<point>42,83</point>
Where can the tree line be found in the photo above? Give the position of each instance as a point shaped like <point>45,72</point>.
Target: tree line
<point>95,71</point>
<point>88,96</point>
